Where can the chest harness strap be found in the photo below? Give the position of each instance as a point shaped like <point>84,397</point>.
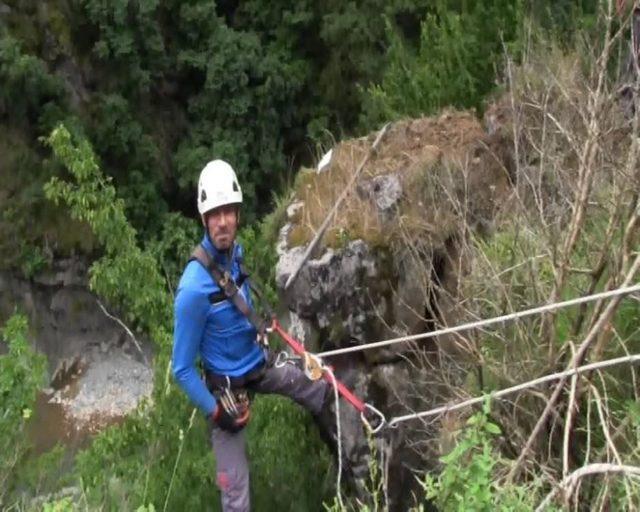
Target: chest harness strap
<point>231,289</point>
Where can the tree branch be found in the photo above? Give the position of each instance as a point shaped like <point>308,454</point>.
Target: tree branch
<point>592,469</point>
<point>575,361</point>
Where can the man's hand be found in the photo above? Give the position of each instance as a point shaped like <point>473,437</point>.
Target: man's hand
<point>231,415</point>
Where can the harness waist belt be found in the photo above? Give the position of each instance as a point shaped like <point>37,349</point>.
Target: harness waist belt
<point>217,381</point>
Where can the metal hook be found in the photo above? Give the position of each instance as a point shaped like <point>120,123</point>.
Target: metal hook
<point>284,358</point>
<point>378,414</point>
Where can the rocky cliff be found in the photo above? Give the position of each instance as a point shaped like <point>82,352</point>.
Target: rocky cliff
<point>388,266</point>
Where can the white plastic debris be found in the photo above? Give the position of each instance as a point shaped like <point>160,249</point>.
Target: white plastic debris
<point>325,161</point>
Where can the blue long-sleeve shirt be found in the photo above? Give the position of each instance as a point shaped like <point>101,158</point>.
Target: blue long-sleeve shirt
<point>218,332</point>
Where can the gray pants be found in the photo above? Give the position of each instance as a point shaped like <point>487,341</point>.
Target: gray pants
<point>232,466</point>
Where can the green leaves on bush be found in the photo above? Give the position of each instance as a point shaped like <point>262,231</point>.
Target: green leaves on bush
<point>454,65</point>
<point>467,481</point>
<point>126,275</point>
<point>22,374</point>
<point>27,84</point>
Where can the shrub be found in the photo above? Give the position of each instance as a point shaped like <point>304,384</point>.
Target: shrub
<point>22,374</point>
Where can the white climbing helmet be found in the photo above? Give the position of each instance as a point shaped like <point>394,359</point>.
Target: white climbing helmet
<point>217,186</point>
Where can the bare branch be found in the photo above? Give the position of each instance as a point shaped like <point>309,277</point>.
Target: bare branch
<point>582,350</point>
<point>592,469</point>
<point>569,422</point>
<point>122,324</point>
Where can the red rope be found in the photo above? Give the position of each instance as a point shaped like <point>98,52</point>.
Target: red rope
<point>299,349</point>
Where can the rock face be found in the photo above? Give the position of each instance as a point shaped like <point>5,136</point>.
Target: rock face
<point>412,208</point>
<point>82,344</point>
<point>339,299</point>
<point>384,190</point>
<point>334,287</point>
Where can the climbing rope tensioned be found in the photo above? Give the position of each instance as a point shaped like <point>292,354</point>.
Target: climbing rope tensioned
<point>312,363</point>
<point>363,407</point>
<point>482,323</point>
<point>631,359</point>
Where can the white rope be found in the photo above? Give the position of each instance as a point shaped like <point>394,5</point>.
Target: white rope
<point>482,323</point>
<point>632,359</point>
<point>338,434</point>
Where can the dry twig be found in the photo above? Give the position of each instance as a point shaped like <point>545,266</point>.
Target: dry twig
<point>570,481</point>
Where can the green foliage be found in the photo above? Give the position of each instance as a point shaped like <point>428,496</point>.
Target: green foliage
<point>120,137</point>
<point>332,49</point>
<point>375,487</point>
<point>61,505</point>
<point>27,86</point>
<point>160,88</point>
<point>44,473</point>
<point>129,38</point>
<point>455,64</point>
<point>160,454</point>
<point>172,248</point>
<point>565,18</point>
<point>126,275</point>
<point>288,461</point>
<point>33,261</point>
<point>22,373</point>
<point>467,480</point>
<point>31,100</point>
<point>238,111</point>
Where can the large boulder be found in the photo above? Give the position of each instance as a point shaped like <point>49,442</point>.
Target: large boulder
<point>388,266</point>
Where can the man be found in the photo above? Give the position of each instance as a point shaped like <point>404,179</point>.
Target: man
<point>208,324</point>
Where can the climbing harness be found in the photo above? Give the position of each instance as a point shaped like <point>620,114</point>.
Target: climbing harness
<point>313,366</point>
<point>230,289</point>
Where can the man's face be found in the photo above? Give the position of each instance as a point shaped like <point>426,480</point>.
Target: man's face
<point>222,224</point>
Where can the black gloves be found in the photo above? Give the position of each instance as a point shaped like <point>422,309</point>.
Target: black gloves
<point>232,412</point>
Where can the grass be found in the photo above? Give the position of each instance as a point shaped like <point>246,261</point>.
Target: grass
<point>429,156</point>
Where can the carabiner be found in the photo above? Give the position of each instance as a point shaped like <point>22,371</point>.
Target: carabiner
<point>284,358</point>
<point>381,418</point>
